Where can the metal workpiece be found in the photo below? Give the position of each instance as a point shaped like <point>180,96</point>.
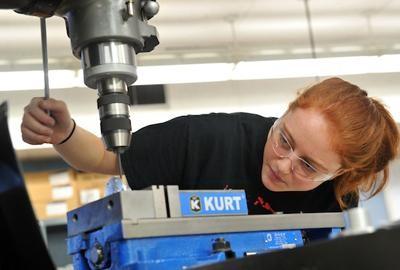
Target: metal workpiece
<point>130,205</point>
<point>356,222</point>
<point>174,203</point>
<point>227,224</point>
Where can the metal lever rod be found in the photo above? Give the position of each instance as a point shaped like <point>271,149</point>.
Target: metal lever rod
<point>45,57</point>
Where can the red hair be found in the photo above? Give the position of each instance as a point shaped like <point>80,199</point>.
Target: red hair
<point>364,135</point>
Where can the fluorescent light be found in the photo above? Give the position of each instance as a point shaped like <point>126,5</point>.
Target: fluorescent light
<point>270,52</point>
<point>200,55</point>
<point>33,61</point>
<point>171,74</point>
<point>340,49</point>
<point>33,80</point>
<point>4,62</point>
<point>298,68</point>
<point>156,56</point>
<point>306,51</point>
<point>214,72</point>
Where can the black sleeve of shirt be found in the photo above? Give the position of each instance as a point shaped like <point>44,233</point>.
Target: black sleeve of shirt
<point>157,154</point>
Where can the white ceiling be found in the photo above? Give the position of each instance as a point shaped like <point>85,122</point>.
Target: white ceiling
<point>215,30</point>
<point>198,31</point>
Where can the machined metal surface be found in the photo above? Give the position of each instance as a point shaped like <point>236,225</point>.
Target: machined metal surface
<point>107,59</point>
<point>85,27</point>
<point>173,201</point>
<point>143,213</point>
<point>116,109</point>
<point>114,113</point>
<point>127,205</point>
<point>356,221</point>
<point>111,85</point>
<point>117,139</point>
<point>205,225</point>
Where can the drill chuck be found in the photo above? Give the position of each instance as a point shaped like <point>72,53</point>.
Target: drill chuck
<point>113,105</point>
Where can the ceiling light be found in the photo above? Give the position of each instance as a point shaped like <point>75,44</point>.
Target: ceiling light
<point>194,73</point>
<point>214,72</point>
<point>4,62</point>
<point>33,80</point>
<point>305,50</point>
<point>200,55</point>
<point>271,52</point>
<point>296,68</point>
<point>338,49</point>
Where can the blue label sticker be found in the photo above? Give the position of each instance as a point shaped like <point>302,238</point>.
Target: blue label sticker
<point>204,203</point>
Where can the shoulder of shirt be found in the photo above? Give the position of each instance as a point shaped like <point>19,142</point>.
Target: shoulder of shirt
<point>215,118</point>
<point>236,115</point>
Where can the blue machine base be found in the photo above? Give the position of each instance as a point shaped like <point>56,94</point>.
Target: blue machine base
<point>105,249</point>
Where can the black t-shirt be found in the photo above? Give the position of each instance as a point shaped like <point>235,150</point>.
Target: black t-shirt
<point>216,151</point>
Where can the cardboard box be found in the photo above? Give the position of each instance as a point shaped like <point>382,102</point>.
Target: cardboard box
<point>56,209</point>
<point>46,187</point>
<point>53,193</point>
<point>90,186</point>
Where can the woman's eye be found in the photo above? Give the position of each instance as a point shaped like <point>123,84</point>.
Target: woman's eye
<point>307,167</point>
<point>283,142</point>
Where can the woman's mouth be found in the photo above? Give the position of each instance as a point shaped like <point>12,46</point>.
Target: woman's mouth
<point>274,176</point>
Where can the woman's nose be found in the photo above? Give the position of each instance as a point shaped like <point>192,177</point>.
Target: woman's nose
<point>285,165</point>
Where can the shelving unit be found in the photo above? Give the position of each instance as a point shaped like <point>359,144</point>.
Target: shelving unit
<point>55,235</point>
<point>54,230</point>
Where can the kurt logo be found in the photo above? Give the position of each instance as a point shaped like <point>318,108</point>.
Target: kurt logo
<point>195,203</point>
<point>203,203</point>
<point>220,203</point>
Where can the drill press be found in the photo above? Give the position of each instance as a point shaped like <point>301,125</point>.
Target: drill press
<point>105,35</point>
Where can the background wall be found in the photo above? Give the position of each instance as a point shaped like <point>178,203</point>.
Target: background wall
<point>265,97</point>
<point>212,31</point>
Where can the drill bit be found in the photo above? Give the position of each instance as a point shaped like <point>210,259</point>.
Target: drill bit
<point>119,165</point>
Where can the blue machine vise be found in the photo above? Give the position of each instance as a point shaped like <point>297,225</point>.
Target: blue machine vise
<point>166,228</point>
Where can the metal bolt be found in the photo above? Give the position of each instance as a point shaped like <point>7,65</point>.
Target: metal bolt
<point>96,254</point>
<point>130,8</point>
<point>150,8</point>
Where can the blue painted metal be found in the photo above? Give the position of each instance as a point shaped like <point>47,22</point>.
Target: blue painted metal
<point>107,248</point>
<point>210,203</point>
<point>334,232</point>
<point>173,252</point>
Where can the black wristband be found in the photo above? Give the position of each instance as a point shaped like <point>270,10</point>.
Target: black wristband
<point>70,134</point>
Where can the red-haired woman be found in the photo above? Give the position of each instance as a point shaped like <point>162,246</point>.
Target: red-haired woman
<point>332,142</point>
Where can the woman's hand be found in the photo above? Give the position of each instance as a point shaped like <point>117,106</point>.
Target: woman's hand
<point>39,127</point>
